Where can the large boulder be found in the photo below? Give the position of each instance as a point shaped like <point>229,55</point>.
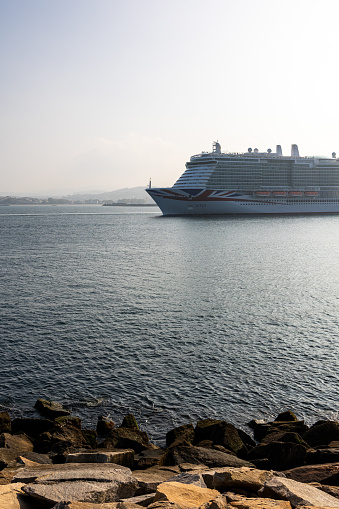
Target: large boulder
<point>31,427</point>
<point>288,415</point>
<point>182,435</point>
<point>282,436</point>
<point>60,440</point>
<point>230,478</point>
<point>126,438</point>
<point>324,474</point>
<point>94,483</point>
<point>221,433</point>
<point>20,443</point>
<point>280,455</point>
<point>68,420</point>
<point>261,430</point>
<point>5,423</point>
<point>51,409</point>
<point>129,421</point>
<point>322,433</point>
<point>297,493</point>
<point>322,455</point>
<point>201,455</point>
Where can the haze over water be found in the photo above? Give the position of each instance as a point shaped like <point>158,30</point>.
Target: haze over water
<point>113,310</point>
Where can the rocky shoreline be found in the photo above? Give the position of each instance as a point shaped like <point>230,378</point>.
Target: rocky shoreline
<point>52,462</point>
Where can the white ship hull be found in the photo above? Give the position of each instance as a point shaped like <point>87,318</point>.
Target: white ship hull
<point>178,202</point>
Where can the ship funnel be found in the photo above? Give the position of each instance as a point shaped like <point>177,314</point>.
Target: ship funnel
<point>294,151</point>
<point>278,150</point>
<point>216,147</point>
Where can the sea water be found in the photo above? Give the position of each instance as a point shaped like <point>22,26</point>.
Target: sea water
<point>112,310</point>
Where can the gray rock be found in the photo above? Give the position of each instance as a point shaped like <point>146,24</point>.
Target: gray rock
<point>143,500</point>
<point>297,493</point>
<point>31,474</point>
<point>82,491</point>
<point>82,482</point>
<point>189,478</point>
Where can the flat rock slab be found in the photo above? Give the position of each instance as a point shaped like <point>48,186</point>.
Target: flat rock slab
<point>149,479</point>
<point>143,500</point>
<point>123,457</point>
<point>97,483</point>
<point>186,495</point>
<point>260,503</point>
<point>83,491</point>
<point>96,471</point>
<point>89,505</point>
<point>297,493</point>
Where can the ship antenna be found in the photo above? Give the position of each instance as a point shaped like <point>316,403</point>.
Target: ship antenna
<point>150,183</point>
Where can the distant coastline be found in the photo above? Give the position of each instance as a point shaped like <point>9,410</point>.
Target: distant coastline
<point>117,204</point>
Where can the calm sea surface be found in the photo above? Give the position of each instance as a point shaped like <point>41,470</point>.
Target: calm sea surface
<point>113,310</point>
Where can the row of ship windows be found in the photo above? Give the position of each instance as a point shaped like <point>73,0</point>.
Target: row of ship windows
<point>299,202</point>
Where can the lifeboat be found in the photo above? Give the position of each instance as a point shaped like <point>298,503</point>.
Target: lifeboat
<point>311,193</point>
<point>263,193</point>
<point>296,193</point>
<point>279,193</point>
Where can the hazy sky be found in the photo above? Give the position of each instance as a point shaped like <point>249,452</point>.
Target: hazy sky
<point>103,94</point>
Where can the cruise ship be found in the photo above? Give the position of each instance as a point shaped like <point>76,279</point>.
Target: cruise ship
<point>252,182</point>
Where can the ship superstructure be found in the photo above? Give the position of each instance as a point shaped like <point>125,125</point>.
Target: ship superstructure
<point>252,182</point>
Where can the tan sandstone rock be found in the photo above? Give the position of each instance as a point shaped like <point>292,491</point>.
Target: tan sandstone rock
<point>227,478</point>
<point>260,503</point>
<point>11,497</point>
<point>185,495</point>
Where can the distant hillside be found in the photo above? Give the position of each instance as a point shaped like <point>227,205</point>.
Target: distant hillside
<point>128,193</point>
